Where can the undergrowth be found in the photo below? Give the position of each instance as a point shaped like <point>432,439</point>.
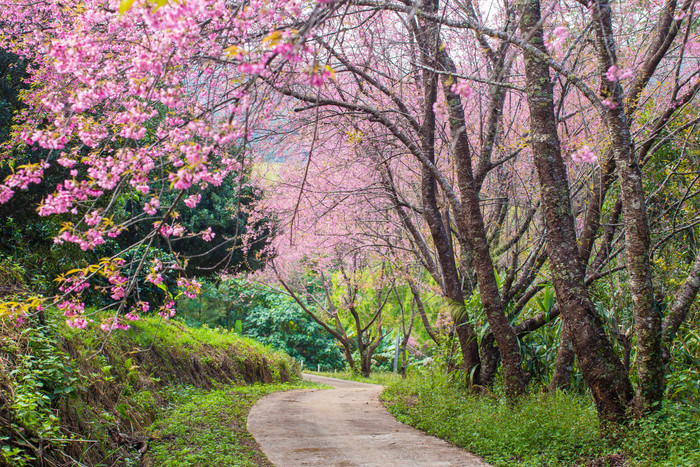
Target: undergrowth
<point>208,428</point>
<point>71,397</point>
<point>541,429</point>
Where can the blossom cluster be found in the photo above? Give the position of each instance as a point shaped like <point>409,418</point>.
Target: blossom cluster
<point>585,154</point>
<point>139,99</point>
<point>555,40</point>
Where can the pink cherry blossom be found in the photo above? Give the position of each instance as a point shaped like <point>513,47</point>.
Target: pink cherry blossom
<point>193,200</point>
<point>585,154</point>
<point>462,88</point>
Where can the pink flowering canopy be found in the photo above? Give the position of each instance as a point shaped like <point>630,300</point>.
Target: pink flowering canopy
<point>144,97</point>
<point>159,98</point>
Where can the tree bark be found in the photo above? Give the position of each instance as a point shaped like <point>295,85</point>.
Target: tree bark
<point>602,369</point>
<point>452,285</point>
<point>563,366</point>
<point>470,221</point>
<point>561,379</point>
<point>647,316</point>
<point>490,359</point>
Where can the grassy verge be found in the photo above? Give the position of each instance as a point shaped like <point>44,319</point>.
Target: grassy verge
<point>72,397</point>
<point>208,428</point>
<point>541,429</point>
<point>382,378</point>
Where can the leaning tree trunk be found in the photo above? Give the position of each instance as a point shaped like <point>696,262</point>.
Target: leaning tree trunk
<point>469,216</point>
<point>602,369</point>
<point>452,285</point>
<point>563,366</point>
<point>647,317</point>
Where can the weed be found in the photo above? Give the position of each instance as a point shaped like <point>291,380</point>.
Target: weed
<point>209,428</point>
<point>541,429</point>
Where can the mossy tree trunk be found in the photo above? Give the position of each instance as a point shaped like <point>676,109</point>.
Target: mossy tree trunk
<point>468,215</point>
<point>603,371</point>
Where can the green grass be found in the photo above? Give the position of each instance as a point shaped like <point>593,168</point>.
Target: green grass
<point>540,429</point>
<point>176,353</point>
<point>383,378</point>
<point>119,385</point>
<point>153,329</point>
<point>669,438</point>
<point>208,428</point>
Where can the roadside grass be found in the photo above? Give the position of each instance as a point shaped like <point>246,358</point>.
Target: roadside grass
<point>383,378</point>
<point>176,333</point>
<point>208,428</point>
<point>541,429</point>
<point>74,397</point>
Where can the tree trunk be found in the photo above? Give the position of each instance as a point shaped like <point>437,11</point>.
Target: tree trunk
<point>564,364</point>
<point>471,225</point>
<point>452,284</point>
<point>366,365</point>
<point>490,359</point>
<point>561,379</point>
<point>602,369</point>
<point>647,317</point>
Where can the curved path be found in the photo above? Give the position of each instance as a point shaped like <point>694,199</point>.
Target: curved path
<point>344,426</point>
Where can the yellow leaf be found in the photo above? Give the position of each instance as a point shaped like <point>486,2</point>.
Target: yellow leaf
<point>160,3</point>
<point>125,5</point>
<point>273,38</point>
<point>233,50</point>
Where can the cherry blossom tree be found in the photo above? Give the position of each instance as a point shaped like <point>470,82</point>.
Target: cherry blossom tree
<point>491,149</point>
<point>569,127</point>
<point>140,99</point>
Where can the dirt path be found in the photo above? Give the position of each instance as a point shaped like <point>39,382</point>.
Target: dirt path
<point>344,426</point>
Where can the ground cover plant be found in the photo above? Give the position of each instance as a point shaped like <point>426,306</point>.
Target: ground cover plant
<point>67,400</point>
<point>542,429</point>
<point>208,428</point>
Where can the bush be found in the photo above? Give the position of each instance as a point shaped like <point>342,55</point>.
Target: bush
<point>268,317</point>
